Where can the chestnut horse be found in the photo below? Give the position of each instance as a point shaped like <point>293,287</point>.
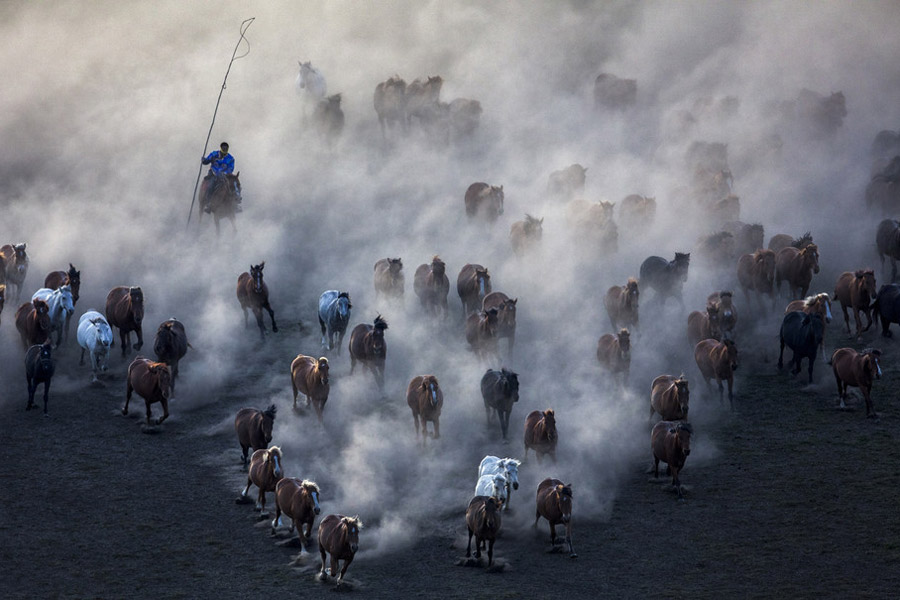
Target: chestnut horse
<point>389,280</point>
<point>484,199</point>
<point>796,267</point>
<point>14,264</point>
<point>704,325</point>
<point>614,353</point>
<point>670,397</point>
<point>298,499</point>
<point>671,443</point>
<point>253,292</point>
<point>554,503</point>
<point>265,473</point>
<point>756,272</point>
<point>856,369</point>
<point>621,304</point>
<point>367,346</point>
<point>153,382</point>
<point>425,398</point>
<point>431,285</point>
<point>540,434</point>
<point>723,301</point>
<point>819,304</point>
<point>33,322</point>
<point>72,278</point>
<point>717,360</point>
<point>482,521</point>
<point>171,345</point>
<point>338,536</point>
<point>856,290</point>
<point>310,377</point>
<point>254,428</point>
<point>506,316</point>
<point>481,333</point>
<point>472,285</point>
<point>125,310</point>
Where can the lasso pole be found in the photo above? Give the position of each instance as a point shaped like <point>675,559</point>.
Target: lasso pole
<point>244,26</point>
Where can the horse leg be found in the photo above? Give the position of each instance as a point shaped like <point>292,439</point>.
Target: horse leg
<point>731,392</point>
<point>322,575</point>
<point>503,417</point>
<point>32,387</point>
<point>721,392</point>
<point>552,533</point>
<point>569,540</point>
<point>140,337</point>
<point>81,362</point>
<point>437,428</point>
<point>491,552</point>
<point>811,363</point>
<point>870,407</point>
<point>324,337</point>
<point>347,562</point>
<point>123,335</point>
<point>46,394</point>
<point>257,312</point>
<point>846,318</point>
<point>271,316</point>
<point>469,545</point>
<point>780,355</point>
<point>165,407</point>
<point>416,418</point>
<point>334,566</point>
<point>246,321</point>
<point>246,490</point>
<point>840,388</point>
<point>147,402</point>
<point>341,340</point>
<point>128,391</point>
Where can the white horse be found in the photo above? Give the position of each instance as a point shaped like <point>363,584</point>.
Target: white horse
<point>61,305</point>
<point>95,336</point>
<point>493,485</point>
<point>508,467</point>
<point>310,86</point>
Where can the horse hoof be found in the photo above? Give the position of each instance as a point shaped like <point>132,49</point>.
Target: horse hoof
<point>573,555</point>
<point>125,411</point>
<point>46,414</point>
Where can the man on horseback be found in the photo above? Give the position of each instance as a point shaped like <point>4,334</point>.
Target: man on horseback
<point>220,164</point>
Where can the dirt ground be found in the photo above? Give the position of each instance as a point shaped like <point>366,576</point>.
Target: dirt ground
<point>798,499</point>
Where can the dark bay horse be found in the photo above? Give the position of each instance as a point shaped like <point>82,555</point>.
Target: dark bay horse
<point>431,285</point>
<point>554,503</point>
<point>367,346</point>
<point>506,316</point>
<point>253,293</point>
<point>500,390</point>
<point>472,285</point>
<point>718,360</point>
<point>481,333</point>
<point>72,278</point>
<point>125,310</point>
<point>482,521</point>
<point>614,353</point>
<point>526,234</point>
<point>425,398</point>
<point>621,304</point>
<point>33,322</point>
<point>223,199</point>
<point>254,428</point>
<point>756,272</point>
<point>887,240</point>
<point>310,378</point>
<point>803,334</point>
<point>666,277</point>
<point>887,307</point>
<point>484,199</point>
<point>171,345</point>
<point>671,443</point>
<point>670,397</point>
<point>14,264</point>
<point>39,367</point>
<point>540,433</point>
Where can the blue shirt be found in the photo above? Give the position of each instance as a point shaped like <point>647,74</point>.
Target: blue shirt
<point>219,166</point>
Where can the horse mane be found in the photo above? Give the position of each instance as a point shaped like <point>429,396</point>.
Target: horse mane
<point>310,484</point>
<point>270,412</point>
<point>380,323</point>
<point>566,490</point>
<point>803,240</point>
<point>631,280</point>
<point>684,427</point>
<point>624,333</point>
<point>725,293</point>
<point>354,520</point>
<point>512,461</point>
<point>810,300</point>
<point>873,351</point>
<point>273,450</point>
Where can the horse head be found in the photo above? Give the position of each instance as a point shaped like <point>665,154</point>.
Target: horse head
<point>378,335</point>
<point>510,382</point>
<point>395,265</point>
<point>431,387</point>
<point>497,199</point>
<point>682,432</point>
<point>563,495</point>
<point>136,296</point>
<point>683,394</point>
<point>549,418</point>
<point>871,358</point>
<point>490,513</point>
<point>682,262</point>
<point>322,370</point>
<point>352,526</point>
<point>273,462</point>
<point>42,312</point>
<point>268,421</point>
<point>344,305</point>
<point>624,338</point>
<point>256,274</point>
<point>311,489</point>
<point>511,465</point>
<point>810,256</point>
<point>66,299</point>
<point>21,257</point>
<point>437,266</point>
<point>803,241</point>
<point>534,226</point>
<point>866,280</point>
<point>731,352</point>
<point>483,281</point>
<point>163,378</point>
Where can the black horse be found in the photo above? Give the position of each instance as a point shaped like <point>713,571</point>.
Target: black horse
<point>887,306</point>
<point>666,277</point>
<point>500,389</point>
<point>39,367</point>
<point>803,334</point>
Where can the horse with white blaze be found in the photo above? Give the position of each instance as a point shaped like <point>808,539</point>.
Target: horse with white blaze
<point>508,467</point>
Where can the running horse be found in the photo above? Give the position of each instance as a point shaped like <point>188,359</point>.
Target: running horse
<point>367,346</point>
<point>33,322</point>
<point>72,278</point>
<point>223,196</point>
<point>125,310</point>
<point>14,264</point>
<point>253,292</point>
<point>666,276</point>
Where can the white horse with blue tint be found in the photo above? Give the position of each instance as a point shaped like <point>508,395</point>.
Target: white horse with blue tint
<point>334,316</point>
<point>61,305</point>
<point>508,467</point>
<point>493,485</point>
<point>95,336</point>
<point>310,86</point>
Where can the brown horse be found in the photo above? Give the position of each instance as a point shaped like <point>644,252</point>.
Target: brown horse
<point>338,536</point>
<point>670,397</point>
<point>481,333</point>
<point>540,434</point>
<point>367,346</point>
<point>796,267</point>
<point>748,237</point>
<point>33,322</point>
<point>727,312</point>
<point>567,183</point>
<point>3,297</point>
<point>887,240</point>
<point>254,428</point>
<point>223,199</point>
<point>14,264</point>
<point>125,310</point>
<point>389,280</point>
<point>422,95</point>
<point>483,521</point>
<point>856,369</point>
<point>637,211</point>
<point>72,278</point>
<point>856,290</point>
<point>506,316</point>
<point>593,224</point>
<point>671,443</point>
<point>153,382</point>
<point>704,325</point>
<point>526,234</point>
<point>756,272</point>
<point>780,241</point>
<point>310,377</point>
<point>716,250</point>
<point>265,473</point>
<point>554,503</point>
<point>390,103</point>
<point>819,304</point>
<point>614,353</point>
<point>170,345</point>
<point>431,285</point>
<point>298,499</point>
<point>724,210</point>
<point>622,304</point>
<point>484,200</point>
<point>253,292</point>
<point>718,360</point>
<point>425,398</point>
<point>472,285</point>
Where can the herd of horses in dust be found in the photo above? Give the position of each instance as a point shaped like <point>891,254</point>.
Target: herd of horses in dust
<point>786,265</point>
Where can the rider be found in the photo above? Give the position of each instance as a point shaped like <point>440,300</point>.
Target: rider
<point>220,164</point>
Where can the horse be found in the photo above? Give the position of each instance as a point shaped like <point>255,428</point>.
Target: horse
<point>483,521</point>
<point>223,198</point>
<point>614,353</point>
<point>612,92</point>
<point>500,390</point>
<point>328,119</point>
<point>390,103</point>
<point>253,292</point>
<point>481,333</point>
<point>756,272</point>
<point>819,304</point>
<point>338,536</point>
<point>887,306</point>
<point>666,277</point>
<point>780,241</point>
<point>472,285</point>
<point>716,250</point>
<point>2,296</point>
<point>61,306</point>
<point>717,360</point>
<point>334,316</point>
<point>125,310</point>
<point>671,443</point>
<point>593,224</point>
<point>389,280</point>
<point>426,399</point>
<point>567,183</point>
<point>72,278</point>
<point>508,467</point>
<point>526,234</point>
<point>265,473</point>
<point>153,382</point>
<point>727,312</point>
<point>485,200</point>
<point>540,434</point>
<point>704,325</point>
<point>431,285</point>
<point>670,397</point>
<point>887,239</point>
<point>298,499</point>
<point>39,368</point>
<point>421,97</point>
<point>493,485</point>
<point>856,369</point>
<point>621,304</point>
<point>95,336</point>
<point>367,346</point>
<point>855,290</point>
<point>748,237</point>
<point>554,503</point>
<point>254,429</point>
<point>803,334</point>
<point>725,210</point>
<point>797,268</point>
<point>33,322</point>
<point>310,85</point>
<point>883,193</point>
<point>14,263</point>
<point>636,211</point>
<point>506,316</point>
<point>310,377</point>
<point>171,345</point>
